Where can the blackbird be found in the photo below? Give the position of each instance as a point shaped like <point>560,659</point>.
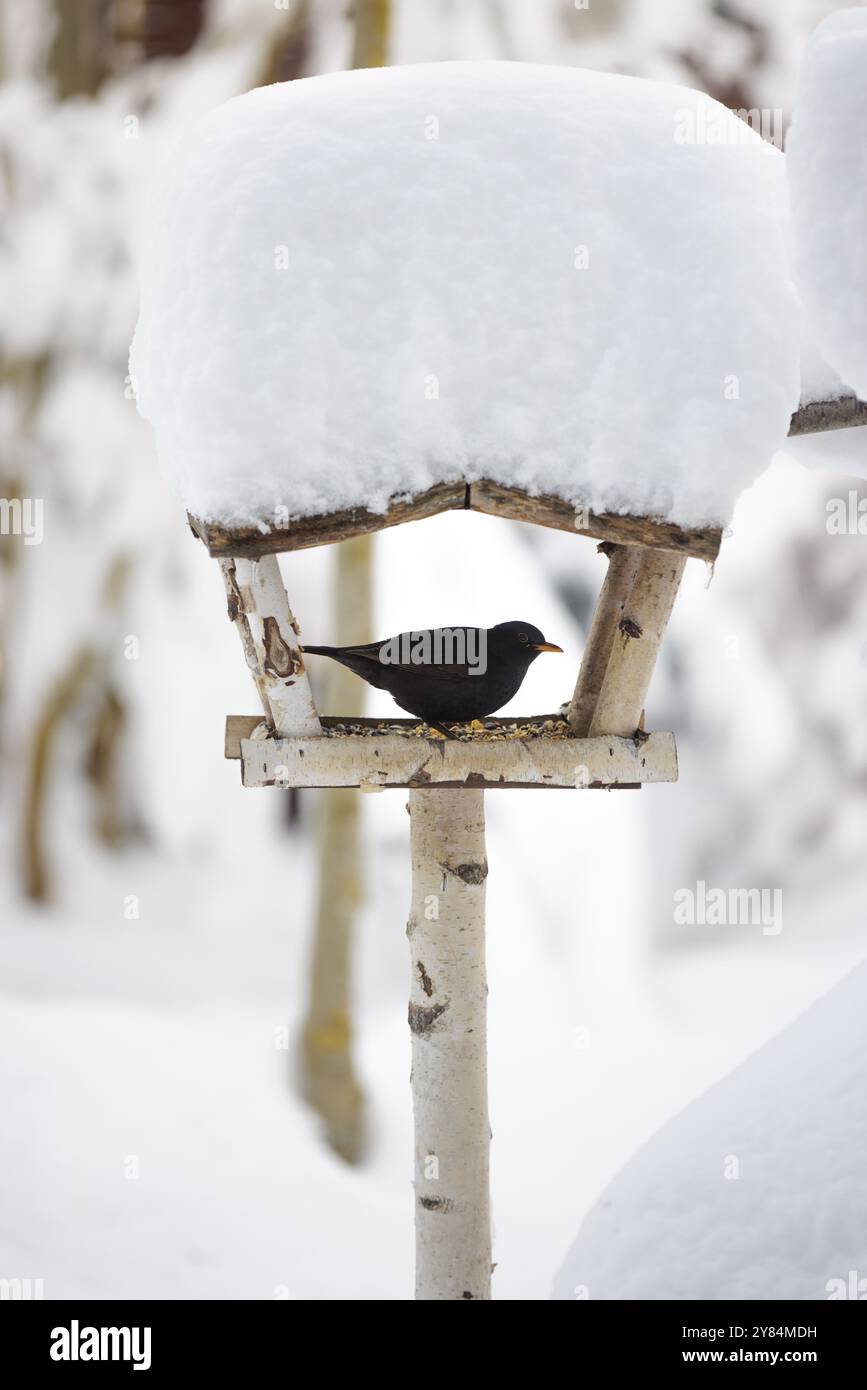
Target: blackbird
<point>447,674</point>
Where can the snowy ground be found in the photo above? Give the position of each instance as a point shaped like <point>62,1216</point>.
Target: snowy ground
<point>756,1190</point>
<point>156,1042</point>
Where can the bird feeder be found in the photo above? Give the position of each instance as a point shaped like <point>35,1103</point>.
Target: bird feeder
<point>324,246</point>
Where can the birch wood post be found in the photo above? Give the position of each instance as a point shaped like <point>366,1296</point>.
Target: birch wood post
<point>636,643</point>
<point>623,563</point>
<point>238,616</point>
<point>280,671</point>
<point>447,1019</point>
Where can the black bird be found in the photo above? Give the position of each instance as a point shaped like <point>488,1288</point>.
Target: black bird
<point>447,674</point>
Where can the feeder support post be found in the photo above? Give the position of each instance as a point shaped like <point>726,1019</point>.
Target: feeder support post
<point>447,1018</point>
<point>259,608</point>
<point>623,563</point>
<point>635,643</point>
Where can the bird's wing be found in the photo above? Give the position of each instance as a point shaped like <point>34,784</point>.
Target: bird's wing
<point>373,651</point>
<point>370,652</point>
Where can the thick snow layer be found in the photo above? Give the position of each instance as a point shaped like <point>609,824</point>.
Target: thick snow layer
<point>757,1189</point>
<point>826,158</point>
<point>360,284</point>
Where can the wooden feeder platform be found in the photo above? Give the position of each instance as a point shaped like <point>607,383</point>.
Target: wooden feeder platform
<point>371,754</point>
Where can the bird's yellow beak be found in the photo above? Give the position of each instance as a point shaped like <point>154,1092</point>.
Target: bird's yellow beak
<point>546,647</point>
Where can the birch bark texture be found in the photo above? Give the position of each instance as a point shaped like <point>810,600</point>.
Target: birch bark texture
<point>448,1023</point>
<point>636,644</point>
<point>270,637</point>
<point>623,562</point>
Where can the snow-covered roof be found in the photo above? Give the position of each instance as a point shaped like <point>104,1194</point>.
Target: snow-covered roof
<point>826,158</point>
<point>360,285</point>
<point>756,1190</point>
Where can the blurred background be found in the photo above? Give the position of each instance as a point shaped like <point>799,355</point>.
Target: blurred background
<point>204,1056</point>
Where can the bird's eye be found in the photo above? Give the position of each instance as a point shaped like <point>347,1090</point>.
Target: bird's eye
<point>522,637</point>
